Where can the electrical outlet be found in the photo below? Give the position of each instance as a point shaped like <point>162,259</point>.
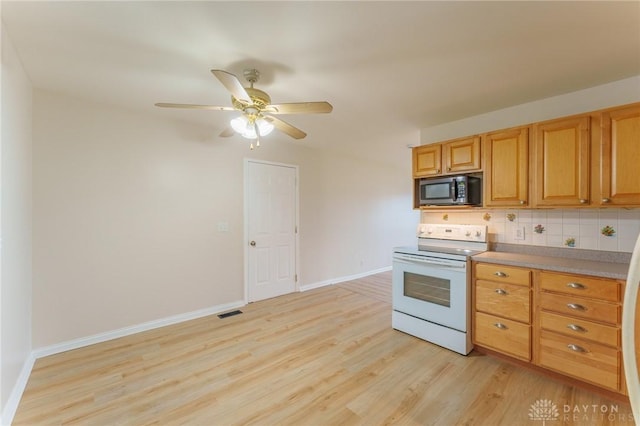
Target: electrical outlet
<point>518,233</point>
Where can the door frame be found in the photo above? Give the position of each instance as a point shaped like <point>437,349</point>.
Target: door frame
<point>245,200</point>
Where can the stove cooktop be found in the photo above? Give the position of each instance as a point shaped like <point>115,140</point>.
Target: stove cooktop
<point>444,240</point>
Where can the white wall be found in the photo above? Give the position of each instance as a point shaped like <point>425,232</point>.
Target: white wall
<point>607,95</point>
<point>126,207</point>
<point>15,221</point>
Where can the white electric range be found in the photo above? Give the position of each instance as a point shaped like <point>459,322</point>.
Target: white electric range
<point>431,284</point>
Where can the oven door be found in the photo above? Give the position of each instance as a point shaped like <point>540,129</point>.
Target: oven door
<point>432,289</point>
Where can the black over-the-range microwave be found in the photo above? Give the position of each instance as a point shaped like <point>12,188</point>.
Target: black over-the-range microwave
<point>451,191</point>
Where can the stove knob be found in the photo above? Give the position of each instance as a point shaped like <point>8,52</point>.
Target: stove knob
<point>468,234</point>
<point>478,233</point>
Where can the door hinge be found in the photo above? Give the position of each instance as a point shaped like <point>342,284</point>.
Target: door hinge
<point>296,277</point>
<point>296,230</point>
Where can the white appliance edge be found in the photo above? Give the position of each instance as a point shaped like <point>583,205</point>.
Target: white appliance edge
<point>628,331</point>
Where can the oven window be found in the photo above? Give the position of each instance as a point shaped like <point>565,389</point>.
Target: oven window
<point>430,289</point>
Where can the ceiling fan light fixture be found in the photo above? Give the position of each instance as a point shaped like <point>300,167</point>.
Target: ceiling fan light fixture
<point>264,127</point>
<point>246,128</point>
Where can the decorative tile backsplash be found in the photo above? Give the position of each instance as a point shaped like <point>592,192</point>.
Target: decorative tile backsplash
<point>594,229</point>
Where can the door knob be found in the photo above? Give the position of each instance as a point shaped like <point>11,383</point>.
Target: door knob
<point>252,243</point>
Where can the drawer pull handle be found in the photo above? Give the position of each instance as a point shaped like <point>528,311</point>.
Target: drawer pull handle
<point>576,307</point>
<point>577,348</point>
<point>501,274</point>
<point>501,326</point>
<point>501,291</point>
<point>578,328</point>
<point>577,286</point>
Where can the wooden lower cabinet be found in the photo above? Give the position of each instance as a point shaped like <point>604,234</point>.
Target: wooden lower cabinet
<point>503,335</point>
<point>502,309</point>
<point>581,359</point>
<point>581,329</point>
<point>567,323</point>
<point>578,318</point>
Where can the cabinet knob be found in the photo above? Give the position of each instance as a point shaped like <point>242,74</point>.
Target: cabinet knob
<point>576,348</point>
<point>577,328</point>
<point>576,307</point>
<point>437,170</point>
<point>500,274</point>
<point>577,286</point>
<point>606,200</point>
<point>501,291</point>
<point>523,202</point>
<point>583,201</point>
<point>448,169</point>
<point>501,326</point>
<point>252,243</point>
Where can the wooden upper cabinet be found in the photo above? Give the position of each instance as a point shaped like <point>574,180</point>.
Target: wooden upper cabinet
<point>456,156</point>
<point>561,162</point>
<point>462,155</point>
<point>506,164</point>
<point>427,160</point>
<point>620,156</point>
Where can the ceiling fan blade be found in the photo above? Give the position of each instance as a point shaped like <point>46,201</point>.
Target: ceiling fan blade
<point>233,85</point>
<point>227,132</point>
<point>285,127</point>
<point>300,108</point>
<point>194,106</point>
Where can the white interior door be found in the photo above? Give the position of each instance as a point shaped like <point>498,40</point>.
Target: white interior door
<point>271,218</point>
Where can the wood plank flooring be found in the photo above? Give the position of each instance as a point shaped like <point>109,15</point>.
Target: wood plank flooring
<point>324,357</point>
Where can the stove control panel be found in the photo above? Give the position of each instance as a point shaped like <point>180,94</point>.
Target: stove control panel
<point>474,233</point>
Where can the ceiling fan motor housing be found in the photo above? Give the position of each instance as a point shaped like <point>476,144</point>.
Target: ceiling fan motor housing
<point>259,98</point>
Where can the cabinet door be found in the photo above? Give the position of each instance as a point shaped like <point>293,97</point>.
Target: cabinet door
<point>462,155</point>
<point>506,166</point>
<point>427,160</point>
<point>561,158</point>
<point>620,153</point>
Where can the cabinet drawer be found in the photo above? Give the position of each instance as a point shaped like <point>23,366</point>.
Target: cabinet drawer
<point>605,334</point>
<point>502,299</point>
<point>580,307</point>
<point>500,273</point>
<point>580,285</point>
<point>503,335</point>
<point>587,361</point>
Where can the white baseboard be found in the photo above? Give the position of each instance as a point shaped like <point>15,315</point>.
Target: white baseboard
<point>11,406</point>
<point>338,280</point>
<point>126,331</point>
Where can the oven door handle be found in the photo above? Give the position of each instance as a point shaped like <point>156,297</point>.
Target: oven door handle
<point>419,259</point>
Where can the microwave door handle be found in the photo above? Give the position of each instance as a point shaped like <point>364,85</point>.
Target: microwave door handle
<point>452,190</point>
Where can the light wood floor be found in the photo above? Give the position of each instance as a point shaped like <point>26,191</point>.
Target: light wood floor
<point>323,357</point>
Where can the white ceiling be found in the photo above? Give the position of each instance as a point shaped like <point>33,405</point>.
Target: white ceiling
<point>388,68</point>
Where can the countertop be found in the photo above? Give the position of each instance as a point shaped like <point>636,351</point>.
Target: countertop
<point>586,262</point>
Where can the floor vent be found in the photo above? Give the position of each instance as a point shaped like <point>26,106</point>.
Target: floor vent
<point>229,314</point>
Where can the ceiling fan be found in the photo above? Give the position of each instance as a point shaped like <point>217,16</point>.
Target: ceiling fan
<point>258,112</point>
